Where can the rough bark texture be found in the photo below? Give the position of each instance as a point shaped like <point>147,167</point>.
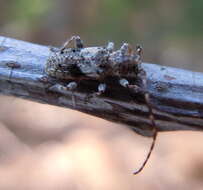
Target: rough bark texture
<point>176,94</point>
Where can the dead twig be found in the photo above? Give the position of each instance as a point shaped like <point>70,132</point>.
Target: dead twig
<point>176,95</point>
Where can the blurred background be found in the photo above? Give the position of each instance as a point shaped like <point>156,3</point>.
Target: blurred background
<point>47,147</point>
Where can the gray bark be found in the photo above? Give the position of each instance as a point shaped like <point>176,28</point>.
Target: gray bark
<point>176,94</point>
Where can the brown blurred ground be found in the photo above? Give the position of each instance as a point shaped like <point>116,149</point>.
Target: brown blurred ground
<point>47,147</point>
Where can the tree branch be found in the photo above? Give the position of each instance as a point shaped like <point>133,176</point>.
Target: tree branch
<point>176,94</point>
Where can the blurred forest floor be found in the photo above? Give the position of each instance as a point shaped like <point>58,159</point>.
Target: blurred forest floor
<point>47,147</point>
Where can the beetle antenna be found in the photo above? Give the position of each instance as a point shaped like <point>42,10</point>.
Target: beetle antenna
<point>153,125</point>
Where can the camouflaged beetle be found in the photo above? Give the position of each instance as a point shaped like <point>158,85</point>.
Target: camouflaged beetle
<point>94,63</point>
<point>98,63</point>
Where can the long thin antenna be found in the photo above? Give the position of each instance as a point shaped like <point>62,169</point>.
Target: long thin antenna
<point>153,124</point>
<point>76,39</point>
<point>149,153</point>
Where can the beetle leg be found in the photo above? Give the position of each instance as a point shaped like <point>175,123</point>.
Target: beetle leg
<point>125,83</point>
<point>72,86</point>
<point>63,89</point>
<point>78,43</point>
<point>101,89</point>
<point>58,88</point>
<point>110,47</point>
<point>126,49</point>
<point>139,50</point>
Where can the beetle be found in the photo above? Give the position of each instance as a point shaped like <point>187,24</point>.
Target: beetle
<point>95,63</point>
<point>98,63</point>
